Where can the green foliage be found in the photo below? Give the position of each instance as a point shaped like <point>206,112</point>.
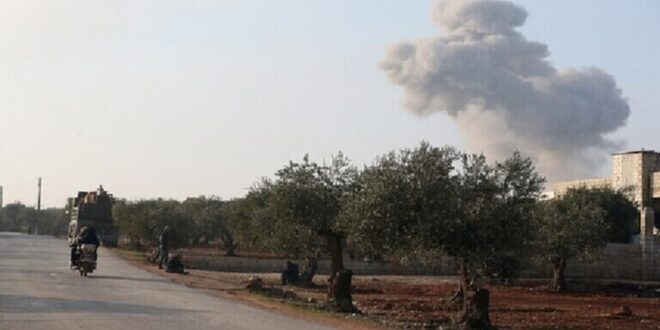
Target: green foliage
<point>206,218</point>
<point>621,213</point>
<point>519,187</point>
<point>9,218</point>
<point>572,225</point>
<point>208,221</point>
<point>304,204</point>
<point>309,194</point>
<point>429,201</point>
<point>195,220</point>
<point>492,228</point>
<point>401,201</point>
<point>249,219</point>
<point>143,221</point>
<point>17,217</point>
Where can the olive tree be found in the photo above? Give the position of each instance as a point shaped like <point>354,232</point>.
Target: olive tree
<point>569,226</point>
<point>18,217</point>
<point>142,221</point>
<point>10,217</point>
<point>437,201</point>
<point>250,220</point>
<point>621,213</point>
<point>207,221</point>
<point>518,190</point>
<point>305,202</point>
<point>492,230</point>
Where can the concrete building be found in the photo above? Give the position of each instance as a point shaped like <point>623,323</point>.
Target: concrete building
<point>638,171</point>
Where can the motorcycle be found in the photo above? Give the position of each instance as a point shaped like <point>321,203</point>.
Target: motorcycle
<point>87,261</point>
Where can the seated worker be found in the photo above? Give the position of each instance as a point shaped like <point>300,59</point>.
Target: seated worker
<point>174,264</point>
<point>290,275</point>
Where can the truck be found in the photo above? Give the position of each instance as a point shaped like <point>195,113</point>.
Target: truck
<point>93,209</point>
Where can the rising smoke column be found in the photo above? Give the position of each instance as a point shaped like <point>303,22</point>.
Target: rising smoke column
<point>503,92</point>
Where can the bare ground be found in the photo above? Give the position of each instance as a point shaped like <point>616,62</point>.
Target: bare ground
<point>420,301</point>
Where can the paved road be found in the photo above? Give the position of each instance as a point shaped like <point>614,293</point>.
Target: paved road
<point>38,291</point>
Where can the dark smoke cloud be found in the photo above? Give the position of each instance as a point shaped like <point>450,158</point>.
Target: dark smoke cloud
<point>503,92</point>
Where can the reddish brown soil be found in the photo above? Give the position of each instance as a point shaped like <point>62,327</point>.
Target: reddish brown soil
<point>516,307</point>
<point>419,302</point>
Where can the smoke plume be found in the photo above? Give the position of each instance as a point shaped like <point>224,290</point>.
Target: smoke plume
<point>503,92</point>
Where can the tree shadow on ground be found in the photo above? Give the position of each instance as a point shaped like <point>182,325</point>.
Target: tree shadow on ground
<point>14,235</point>
<point>27,304</point>
<point>126,278</point>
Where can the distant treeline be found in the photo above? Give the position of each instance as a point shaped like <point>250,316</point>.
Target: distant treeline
<point>309,206</point>
<point>194,221</point>
<point>17,217</point>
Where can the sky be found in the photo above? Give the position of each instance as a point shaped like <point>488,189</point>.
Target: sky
<point>172,99</point>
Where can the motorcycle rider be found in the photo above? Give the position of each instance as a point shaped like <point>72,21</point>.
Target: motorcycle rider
<point>87,235</point>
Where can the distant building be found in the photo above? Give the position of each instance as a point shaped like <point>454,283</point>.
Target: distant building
<point>638,171</point>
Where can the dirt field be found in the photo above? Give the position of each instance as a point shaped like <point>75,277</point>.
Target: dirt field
<point>419,302</point>
<point>529,306</point>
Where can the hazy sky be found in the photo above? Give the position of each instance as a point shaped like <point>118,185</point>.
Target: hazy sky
<point>182,98</point>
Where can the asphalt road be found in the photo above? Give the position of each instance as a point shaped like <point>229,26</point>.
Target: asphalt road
<point>39,291</point>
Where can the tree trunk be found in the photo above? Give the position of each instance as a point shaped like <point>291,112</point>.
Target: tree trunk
<point>228,242</point>
<point>558,279</point>
<point>334,242</point>
<point>457,298</point>
<point>343,301</point>
<point>475,310</point>
<point>475,304</point>
<point>136,245</point>
<point>308,272</point>
<point>195,241</point>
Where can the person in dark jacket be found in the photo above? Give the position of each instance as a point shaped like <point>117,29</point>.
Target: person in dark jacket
<point>87,235</point>
<point>290,274</point>
<point>174,264</point>
<point>164,247</point>
<point>74,247</point>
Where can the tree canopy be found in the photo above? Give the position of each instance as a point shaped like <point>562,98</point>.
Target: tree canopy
<point>18,217</point>
<point>432,201</point>
<point>569,226</point>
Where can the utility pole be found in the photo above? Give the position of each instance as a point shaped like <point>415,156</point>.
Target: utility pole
<point>39,196</point>
<point>36,226</point>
